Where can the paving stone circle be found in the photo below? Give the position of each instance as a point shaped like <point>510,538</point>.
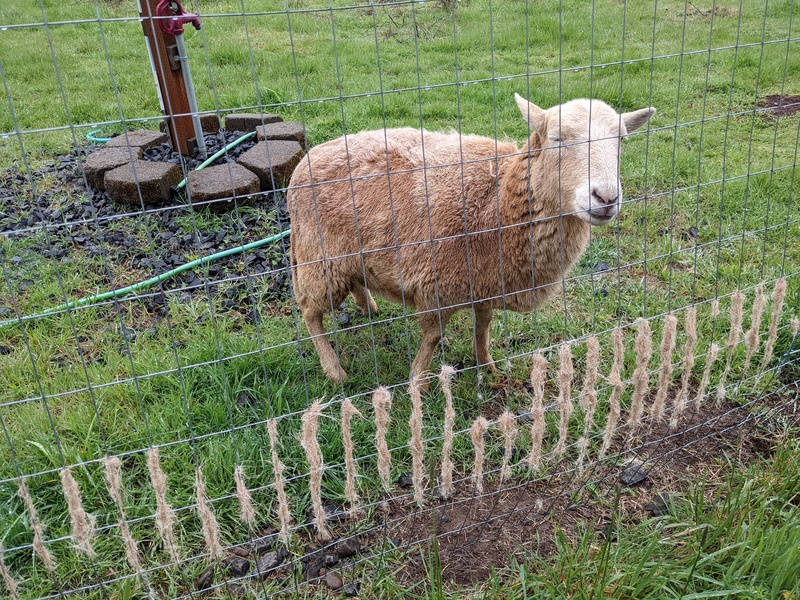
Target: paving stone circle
<point>250,167</point>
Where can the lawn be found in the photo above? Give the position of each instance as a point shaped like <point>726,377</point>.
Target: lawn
<point>196,367</point>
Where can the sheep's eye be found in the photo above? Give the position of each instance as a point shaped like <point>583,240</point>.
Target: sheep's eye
<point>556,138</point>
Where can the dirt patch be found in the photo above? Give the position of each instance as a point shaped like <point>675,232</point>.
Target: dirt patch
<point>780,105</point>
<point>477,534</point>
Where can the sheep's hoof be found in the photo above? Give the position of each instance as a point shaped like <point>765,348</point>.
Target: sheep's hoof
<point>336,375</point>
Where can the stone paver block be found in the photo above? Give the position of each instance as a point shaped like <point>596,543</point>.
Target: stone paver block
<point>141,138</point>
<point>97,164</point>
<point>249,121</point>
<point>273,161</point>
<point>209,122</point>
<point>154,180</point>
<point>221,181</point>
<point>285,130</point>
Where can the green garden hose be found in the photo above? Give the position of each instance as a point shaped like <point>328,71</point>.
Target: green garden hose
<point>153,280</point>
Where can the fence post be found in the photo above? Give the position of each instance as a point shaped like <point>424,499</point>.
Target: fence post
<point>174,100</point>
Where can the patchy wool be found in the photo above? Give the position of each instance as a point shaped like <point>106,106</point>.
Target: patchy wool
<point>711,358</point>
<point>416,443</point>
<point>348,412</point>
<point>246,509</point>
<point>715,308</point>
<point>538,379</point>
<point>565,373</point>
<point>382,405</point>
<point>615,379</point>
<point>589,396</point>
<point>284,515</point>
<point>82,522</point>
<point>8,580</point>
<point>38,532</point>
<point>688,366</point>
<point>476,432</point>
<point>752,337</point>
<point>778,297</point>
<point>446,485</point>
<point>644,349</point>
<point>665,371</point>
<point>114,484</point>
<point>508,428</point>
<point>737,310</point>
<point>165,518</point>
<point>310,444</point>
<point>207,519</point>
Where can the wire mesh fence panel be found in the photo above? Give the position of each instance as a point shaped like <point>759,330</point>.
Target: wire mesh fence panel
<point>318,296</point>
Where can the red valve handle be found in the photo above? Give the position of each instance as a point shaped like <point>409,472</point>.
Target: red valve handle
<point>177,17</point>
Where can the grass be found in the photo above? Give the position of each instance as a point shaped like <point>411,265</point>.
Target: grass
<point>202,380</point>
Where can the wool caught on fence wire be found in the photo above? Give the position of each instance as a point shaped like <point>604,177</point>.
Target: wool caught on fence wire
<point>208,520</point>
<point>477,435</point>
<point>246,509</point>
<point>38,531</point>
<point>644,349</point>
<point>618,388</point>
<point>382,406</point>
<point>538,379</point>
<point>508,428</point>
<point>679,403</point>
<point>351,495</point>
<point>665,371</point>
<point>165,518</point>
<point>82,522</point>
<point>565,408</point>
<point>284,514</point>
<point>737,312</point>
<point>310,444</point>
<point>778,297</point>
<point>11,585</point>
<point>446,483</point>
<point>752,336</point>
<point>417,444</point>
<point>114,484</point>
<point>588,399</point>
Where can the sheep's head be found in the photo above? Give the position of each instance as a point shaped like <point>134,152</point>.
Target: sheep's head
<point>582,140</point>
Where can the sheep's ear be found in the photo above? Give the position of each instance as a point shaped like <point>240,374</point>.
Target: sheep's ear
<point>531,113</point>
<point>635,119</point>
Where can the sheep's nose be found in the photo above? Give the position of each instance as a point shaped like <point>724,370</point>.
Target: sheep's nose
<point>604,197</point>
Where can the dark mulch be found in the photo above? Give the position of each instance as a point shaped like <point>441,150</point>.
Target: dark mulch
<point>780,105</point>
<point>59,215</point>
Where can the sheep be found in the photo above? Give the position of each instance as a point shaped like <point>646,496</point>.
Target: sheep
<point>444,221</point>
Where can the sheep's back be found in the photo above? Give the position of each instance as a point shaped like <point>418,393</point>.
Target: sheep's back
<point>385,195</point>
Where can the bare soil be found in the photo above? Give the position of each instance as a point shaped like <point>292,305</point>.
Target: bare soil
<point>780,105</point>
<point>476,534</point>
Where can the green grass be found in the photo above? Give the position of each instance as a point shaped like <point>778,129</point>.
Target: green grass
<point>708,162</point>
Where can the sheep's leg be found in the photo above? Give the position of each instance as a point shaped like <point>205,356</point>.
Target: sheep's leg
<point>327,357</point>
<point>483,320</point>
<point>364,299</point>
<point>433,324</point>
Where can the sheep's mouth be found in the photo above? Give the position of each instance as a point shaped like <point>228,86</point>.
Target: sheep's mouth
<point>596,218</point>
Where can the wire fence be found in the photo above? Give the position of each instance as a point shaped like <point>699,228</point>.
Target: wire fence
<point>174,422</point>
